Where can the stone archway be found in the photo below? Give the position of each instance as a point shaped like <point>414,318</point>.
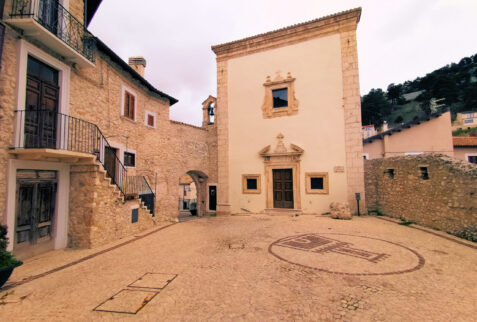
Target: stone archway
<point>199,179</point>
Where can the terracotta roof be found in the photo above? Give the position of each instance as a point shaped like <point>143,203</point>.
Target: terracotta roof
<point>404,126</point>
<point>464,141</point>
<point>272,34</point>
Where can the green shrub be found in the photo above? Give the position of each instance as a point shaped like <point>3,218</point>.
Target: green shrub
<point>469,233</point>
<point>6,259</point>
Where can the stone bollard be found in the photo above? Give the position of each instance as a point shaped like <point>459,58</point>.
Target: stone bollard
<point>340,210</point>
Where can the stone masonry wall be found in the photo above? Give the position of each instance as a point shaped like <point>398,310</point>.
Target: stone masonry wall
<point>447,200</point>
<point>165,152</point>
<point>98,214</point>
<point>352,111</point>
<point>8,84</point>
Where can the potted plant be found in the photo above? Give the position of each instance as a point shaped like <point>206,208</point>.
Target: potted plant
<point>7,261</point>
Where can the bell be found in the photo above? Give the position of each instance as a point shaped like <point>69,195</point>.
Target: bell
<point>210,111</point>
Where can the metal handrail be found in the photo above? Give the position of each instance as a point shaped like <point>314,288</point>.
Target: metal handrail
<point>36,129</point>
<point>59,21</point>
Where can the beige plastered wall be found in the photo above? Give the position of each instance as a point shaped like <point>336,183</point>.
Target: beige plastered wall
<point>318,128</point>
<point>433,136</point>
<point>461,153</point>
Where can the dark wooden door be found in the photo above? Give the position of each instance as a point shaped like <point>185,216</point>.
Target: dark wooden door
<point>282,188</point>
<point>35,209</point>
<point>110,160</point>
<point>41,105</point>
<point>212,197</point>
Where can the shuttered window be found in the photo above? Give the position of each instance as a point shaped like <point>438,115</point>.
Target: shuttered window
<point>129,105</point>
<point>150,120</point>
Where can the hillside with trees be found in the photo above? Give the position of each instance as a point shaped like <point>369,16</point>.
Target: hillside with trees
<point>454,85</point>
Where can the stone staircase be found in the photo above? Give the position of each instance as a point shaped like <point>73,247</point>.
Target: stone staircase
<point>99,213</point>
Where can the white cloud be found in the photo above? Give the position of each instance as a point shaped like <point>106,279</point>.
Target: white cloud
<point>397,39</point>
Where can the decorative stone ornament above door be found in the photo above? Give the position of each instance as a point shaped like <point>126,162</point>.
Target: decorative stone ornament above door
<point>282,158</point>
<point>279,83</point>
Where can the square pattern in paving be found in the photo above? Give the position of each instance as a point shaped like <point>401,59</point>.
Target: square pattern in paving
<point>127,301</point>
<point>153,281</point>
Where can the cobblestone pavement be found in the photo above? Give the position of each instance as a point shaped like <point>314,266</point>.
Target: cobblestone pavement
<point>255,268</point>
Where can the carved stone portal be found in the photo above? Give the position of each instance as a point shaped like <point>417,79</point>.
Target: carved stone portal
<point>282,158</point>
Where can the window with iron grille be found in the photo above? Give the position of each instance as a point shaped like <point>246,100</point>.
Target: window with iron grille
<point>129,159</point>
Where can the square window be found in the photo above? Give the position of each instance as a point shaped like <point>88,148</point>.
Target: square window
<point>317,182</point>
<point>251,183</point>
<point>280,97</point>
<point>389,173</point>
<point>129,159</point>
<point>472,158</point>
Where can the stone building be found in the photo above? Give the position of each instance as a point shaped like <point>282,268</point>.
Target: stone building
<point>88,153</point>
<point>289,118</point>
<point>430,134</point>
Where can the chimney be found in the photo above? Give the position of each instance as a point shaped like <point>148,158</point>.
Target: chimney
<point>138,63</point>
<point>385,127</point>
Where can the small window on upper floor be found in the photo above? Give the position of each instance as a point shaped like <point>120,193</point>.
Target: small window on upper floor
<point>129,159</point>
<point>150,119</point>
<point>129,110</point>
<point>280,97</point>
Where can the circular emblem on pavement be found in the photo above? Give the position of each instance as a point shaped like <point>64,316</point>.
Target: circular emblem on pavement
<point>346,254</point>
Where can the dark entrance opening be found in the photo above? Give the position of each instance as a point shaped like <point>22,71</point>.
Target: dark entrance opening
<point>212,198</point>
<point>110,159</point>
<point>36,198</point>
<point>282,188</point>
<point>41,105</point>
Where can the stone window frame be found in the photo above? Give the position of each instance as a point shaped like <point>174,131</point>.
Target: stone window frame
<point>268,111</point>
<point>467,155</point>
<point>25,49</point>
<point>244,184</point>
<point>326,183</point>
<point>124,160</point>
<point>125,89</point>
<point>146,123</point>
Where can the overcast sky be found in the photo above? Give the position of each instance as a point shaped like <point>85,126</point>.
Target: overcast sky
<point>398,40</point>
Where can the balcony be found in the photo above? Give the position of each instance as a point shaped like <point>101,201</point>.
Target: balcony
<point>46,135</point>
<point>50,23</point>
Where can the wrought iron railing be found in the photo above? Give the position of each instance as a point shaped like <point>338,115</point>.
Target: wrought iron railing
<point>137,186</point>
<point>40,129</point>
<point>59,21</point>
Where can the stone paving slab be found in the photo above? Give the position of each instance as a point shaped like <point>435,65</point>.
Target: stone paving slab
<point>217,281</point>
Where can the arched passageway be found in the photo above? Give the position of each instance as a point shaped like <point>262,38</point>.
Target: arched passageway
<point>192,194</point>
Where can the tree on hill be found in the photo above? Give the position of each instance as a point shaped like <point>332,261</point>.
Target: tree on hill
<point>394,92</point>
<point>375,107</point>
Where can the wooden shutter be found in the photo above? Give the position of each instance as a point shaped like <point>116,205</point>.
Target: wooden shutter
<point>150,120</point>
<point>129,105</point>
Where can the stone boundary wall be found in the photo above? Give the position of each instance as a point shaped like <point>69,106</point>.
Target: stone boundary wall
<point>446,201</point>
